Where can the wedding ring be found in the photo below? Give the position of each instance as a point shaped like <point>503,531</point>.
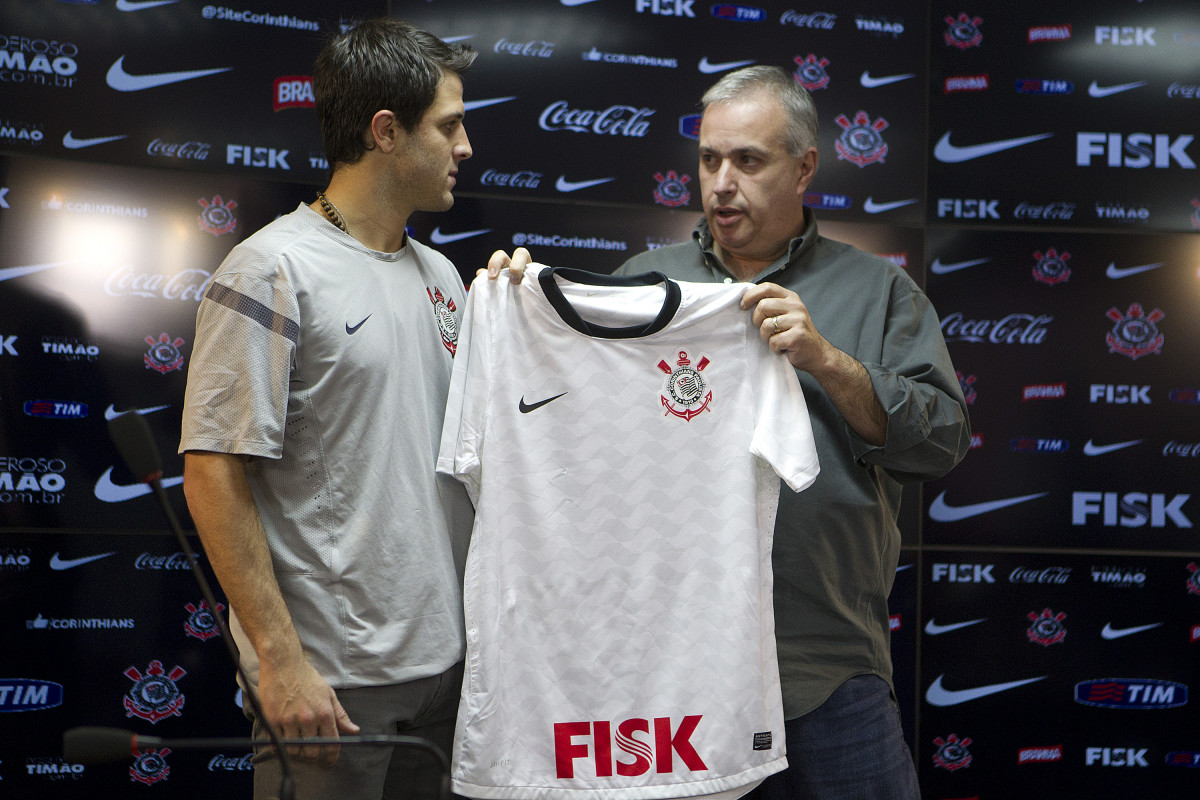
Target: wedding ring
<point>775,322</point>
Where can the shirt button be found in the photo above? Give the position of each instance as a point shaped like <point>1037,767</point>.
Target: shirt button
<point>729,280</point>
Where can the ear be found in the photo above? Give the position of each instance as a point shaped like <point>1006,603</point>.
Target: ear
<point>807,169</point>
<point>386,132</point>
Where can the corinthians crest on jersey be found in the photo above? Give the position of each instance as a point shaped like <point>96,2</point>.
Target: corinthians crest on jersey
<point>443,312</point>
<point>685,393</point>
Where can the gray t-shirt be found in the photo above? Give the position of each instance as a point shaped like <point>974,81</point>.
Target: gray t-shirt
<point>329,364</point>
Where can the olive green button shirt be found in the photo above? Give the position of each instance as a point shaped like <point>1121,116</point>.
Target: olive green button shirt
<point>837,543</point>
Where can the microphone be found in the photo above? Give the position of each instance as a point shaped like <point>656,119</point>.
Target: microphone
<point>131,434</point>
<point>93,744</point>
<point>102,745</point>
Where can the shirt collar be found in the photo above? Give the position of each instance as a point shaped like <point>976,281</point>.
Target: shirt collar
<point>797,247</point>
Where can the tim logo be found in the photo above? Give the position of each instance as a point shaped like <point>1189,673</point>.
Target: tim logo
<point>656,747</point>
<point>1123,693</point>
<point>25,694</point>
<point>154,696</point>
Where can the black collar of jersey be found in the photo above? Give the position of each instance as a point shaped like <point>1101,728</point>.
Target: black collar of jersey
<point>565,310</point>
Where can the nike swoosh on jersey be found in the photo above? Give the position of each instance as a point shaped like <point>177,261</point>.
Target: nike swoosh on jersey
<point>71,143</point>
<point>8,273</point>
<point>354,329</point>
<point>564,185</point>
<point>1116,273</point>
<point>111,412</point>
<point>950,154</point>
<point>111,492</point>
<point>471,105</point>
<point>934,629</point>
<point>938,268</point>
<point>1096,90</point>
<point>941,511</point>
<point>1110,632</point>
<point>117,78</point>
<point>527,407</point>
<point>141,5</point>
<point>1092,449</point>
<point>871,207</point>
<point>708,68</point>
<point>437,237</point>
<point>937,695</point>
<point>58,563</point>
<point>866,80</point>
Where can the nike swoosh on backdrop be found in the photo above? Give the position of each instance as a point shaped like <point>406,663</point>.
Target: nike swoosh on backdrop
<point>937,695</point>
<point>933,629</point>
<point>122,81</point>
<point>1096,90</point>
<point>471,105</point>
<point>564,185</point>
<point>8,273</point>
<point>141,5</point>
<point>1110,632</point>
<point>950,154</point>
<point>569,3</point>
<point>353,330</point>
<point>1116,273</point>
<point>527,407</point>
<point>111,492</point>
<point>437,237</point>
<point>941,511</point>
<point>67,563</point>
<point>71,143</point>
<point>1090,449</point>
<point>866,80</point>
<point>111,412</point>
<point>871,207</point>
<point>708,68</point>
<point>938,268</point>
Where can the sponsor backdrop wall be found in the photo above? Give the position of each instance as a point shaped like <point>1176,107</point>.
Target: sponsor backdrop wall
<point>1033,165</point>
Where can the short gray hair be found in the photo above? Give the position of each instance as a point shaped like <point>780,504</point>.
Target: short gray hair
<point>801,130</point>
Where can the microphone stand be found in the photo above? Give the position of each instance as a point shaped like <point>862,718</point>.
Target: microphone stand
<point>132,436</point>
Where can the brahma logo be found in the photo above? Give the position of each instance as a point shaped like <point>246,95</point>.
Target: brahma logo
<point>294,91</point>
<point>1049,33</point>
<point>657,752</point>
<point>965,83</point>
<point>1044,391</point>
<point>1131,693</point>
<point>1040,755</point>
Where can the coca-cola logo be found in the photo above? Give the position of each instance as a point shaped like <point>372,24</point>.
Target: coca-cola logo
<point>522,179</point>
<point>175,561</point>
<point>1056,210</point>
<point>1011,329</point>
<point>188,285</point>
<point>616,120</point>
<point>1056,575</point>
<point>197,151</point>
<point>231,763</point>
<point>534,49</point>
<point>1183,449</point>
<point>821,20</point>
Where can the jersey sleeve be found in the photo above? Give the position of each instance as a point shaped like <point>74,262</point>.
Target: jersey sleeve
<point>470,381</point>
<point>247,330</point>
<point>783,434</point>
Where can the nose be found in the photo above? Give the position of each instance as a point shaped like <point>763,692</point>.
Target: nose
<point>724,179</point>
<point>462,148</point>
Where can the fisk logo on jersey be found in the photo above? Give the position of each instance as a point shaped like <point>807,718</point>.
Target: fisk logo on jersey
<point>1131,693</point>
<point>655,748</point>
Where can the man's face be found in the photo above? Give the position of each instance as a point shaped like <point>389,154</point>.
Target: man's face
<point>428,157</point>
<point>751,188</point>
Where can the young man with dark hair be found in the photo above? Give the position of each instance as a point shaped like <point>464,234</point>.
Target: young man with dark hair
<point>311,425</point>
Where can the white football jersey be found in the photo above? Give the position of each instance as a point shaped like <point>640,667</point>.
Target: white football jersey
<point>623,440</point>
